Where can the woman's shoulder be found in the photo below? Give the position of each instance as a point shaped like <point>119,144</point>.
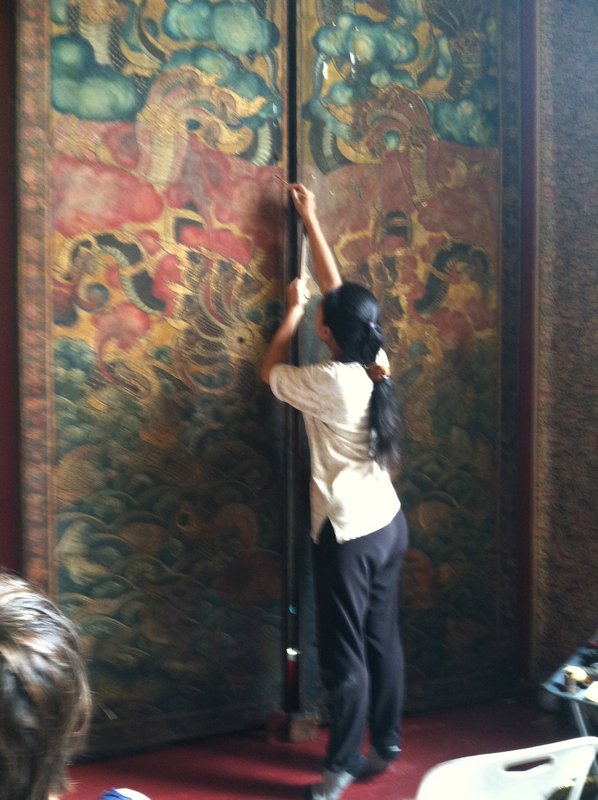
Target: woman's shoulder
<point>328,375</point>
<point>322,377</point>
<point>382,359</point>
<point>341,369</point>
<point>350,380</point>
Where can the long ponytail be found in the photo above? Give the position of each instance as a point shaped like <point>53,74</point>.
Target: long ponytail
<point>385,425</point>
<point>353,315</point>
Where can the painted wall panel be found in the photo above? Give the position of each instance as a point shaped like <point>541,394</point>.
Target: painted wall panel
<point>152,243</point>
<point>400,139</point>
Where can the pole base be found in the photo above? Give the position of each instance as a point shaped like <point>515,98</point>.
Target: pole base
<point>296,726</point>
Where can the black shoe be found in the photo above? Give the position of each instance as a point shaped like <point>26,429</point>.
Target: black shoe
<point>375,764</point>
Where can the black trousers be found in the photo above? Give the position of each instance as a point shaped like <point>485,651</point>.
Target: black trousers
<point>361,655</point>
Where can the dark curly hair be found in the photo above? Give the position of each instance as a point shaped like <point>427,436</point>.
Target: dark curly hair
<point>44,693</point>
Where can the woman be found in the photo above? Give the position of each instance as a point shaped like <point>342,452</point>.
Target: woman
<point>358,529</point>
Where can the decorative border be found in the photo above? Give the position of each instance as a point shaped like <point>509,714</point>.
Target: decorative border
<point>565,467</point>
<point>32,85</point>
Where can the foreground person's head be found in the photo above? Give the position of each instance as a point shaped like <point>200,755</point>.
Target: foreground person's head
<point>44,694</point>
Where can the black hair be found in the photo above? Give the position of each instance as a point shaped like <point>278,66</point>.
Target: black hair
<point>353,315</point>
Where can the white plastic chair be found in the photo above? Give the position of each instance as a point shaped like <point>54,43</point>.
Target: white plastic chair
<point>532,773</point>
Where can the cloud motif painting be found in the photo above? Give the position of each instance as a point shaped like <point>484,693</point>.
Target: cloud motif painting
<point>154,247</point>
<point>165,237</point>
<point>401,143</point>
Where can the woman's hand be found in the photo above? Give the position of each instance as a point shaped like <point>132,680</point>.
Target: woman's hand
<point>279,347</point>
<point>305,202</point>
<point>297,294</point>
<point>327,274</point>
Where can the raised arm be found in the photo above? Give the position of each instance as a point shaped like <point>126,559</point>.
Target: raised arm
<point>327,274</point>
<point>280,345</point>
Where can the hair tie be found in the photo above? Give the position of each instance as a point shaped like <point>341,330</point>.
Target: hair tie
<point>377,373</point>
<point>373,325</point>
